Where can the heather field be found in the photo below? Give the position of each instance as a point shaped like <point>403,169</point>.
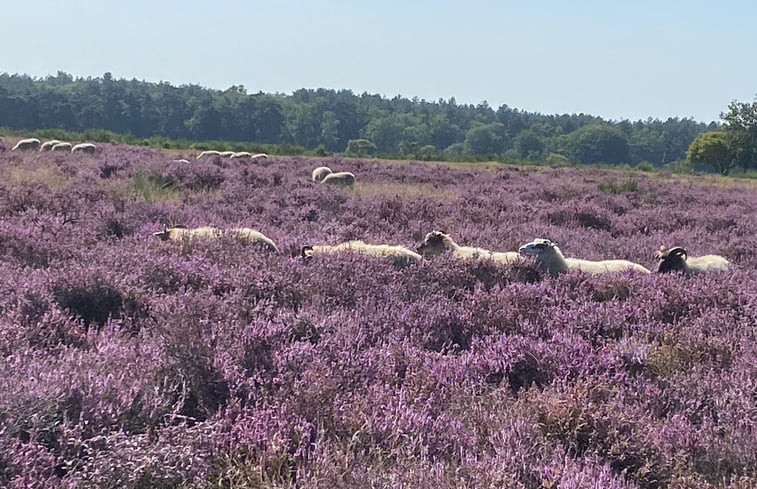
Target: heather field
<point>130,362</point>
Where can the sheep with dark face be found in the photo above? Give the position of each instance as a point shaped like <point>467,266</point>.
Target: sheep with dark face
<point>342,178</point>
<point>677,260</point>
<point>400,256</point>
<point>438,242</point>
<point>87,148</point>
<point>28,144</point>
<point>320,173</point>
<point>550,260</point>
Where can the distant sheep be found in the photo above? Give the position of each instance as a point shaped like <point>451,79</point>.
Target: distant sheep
<point>241,154</point>
<point>438,242</point>
<point>28,144</point>
<point>87,148</point>
<point>550,259</point>
<point>211,152</point>
<point>181,160</point>
<point>62,147</point>
<point>400,256</point>
<point>677,260</point>
<point>48,145</point>
<point>262,156</point>
<point>343,178</point>
<point>225,154</point>
<point>182,234</point>
<point>320,173</point>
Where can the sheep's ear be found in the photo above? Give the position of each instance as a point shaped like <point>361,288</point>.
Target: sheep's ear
<point>306,252</point>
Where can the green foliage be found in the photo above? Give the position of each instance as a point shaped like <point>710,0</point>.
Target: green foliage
<point>360,147</point>
<point>154,187</point>
<point>556,159</point>
<point>645,166</point>
<point>612,186</point>
<point>486,139</point>
<point>711,148</point>
<point>741,133</point>
<point>596,144</point>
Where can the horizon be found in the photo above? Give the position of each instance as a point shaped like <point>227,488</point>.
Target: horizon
<point>615,62</point>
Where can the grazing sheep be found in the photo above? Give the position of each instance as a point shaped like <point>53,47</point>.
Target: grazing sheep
<point>48,145</point>
<point>211,152</point>
<point>260,156</point>
<point>88,148</point>
<point>225,154</point>
<point>181,160</point>
<point>27,144</point>
<point>550,259</point>
<point>677,260</point>
<point>400,256</point>
<point>241,154</point>
<point>343,178</point>
<point>61,147</point>
<point>181,233</point>
<point>253,236</point>
<point>320,173</point>
<point>438,242</point>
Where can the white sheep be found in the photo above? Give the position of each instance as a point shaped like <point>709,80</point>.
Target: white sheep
<point>437,242</point>
<point>400,256</point>
<point>262,156</point>
<point>62,147</point>
<point>27,144</point>
<point>241,154</point>
<point>183,234</point>
<point>180,160</point>
<point>225,154</point>
<point>253,236</point>
<point>88,148</point>
<point>343,178</point>
<point>48,145</point>
<point>210,152</point>
<point>550,259</point>
<point>677,260</point>
<point>320,173</point>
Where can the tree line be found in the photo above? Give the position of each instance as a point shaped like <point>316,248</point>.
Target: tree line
<point>326,121</point>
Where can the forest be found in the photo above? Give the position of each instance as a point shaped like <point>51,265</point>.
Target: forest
<point>325,121</point>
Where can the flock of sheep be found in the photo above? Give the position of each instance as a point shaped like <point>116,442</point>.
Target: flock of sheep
<point>545,253</point>
<point>34,144</point>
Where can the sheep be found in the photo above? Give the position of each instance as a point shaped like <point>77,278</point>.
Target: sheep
<point>253,236</point>
<point>262,156</point>
<point>180,160</point>
<point>48,145</point>
<point>241,154</point>
<point>181,233</point>
<point>344,178</point>
<point>400,256</point>
<point>88,148</point>
<point>677,260</point>
<point>550,259</point>
<point>210,152</point>
<point>320,173</point>
<point>27,144</point>
<point>437,242</point>
<point>61,147</point>
<point>225,154</point>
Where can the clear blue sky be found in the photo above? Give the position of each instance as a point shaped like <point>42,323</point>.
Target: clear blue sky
<point>615,59</point>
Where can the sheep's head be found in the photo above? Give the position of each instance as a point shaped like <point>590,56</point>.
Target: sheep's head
<point>307,252</point>
<point>538,247</point>
<point>671,260</point>
<point>163,235</point>
<point>435,243</point>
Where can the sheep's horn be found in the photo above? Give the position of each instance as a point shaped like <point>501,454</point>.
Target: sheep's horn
<point>678,251</point>
<point>305,250</point>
